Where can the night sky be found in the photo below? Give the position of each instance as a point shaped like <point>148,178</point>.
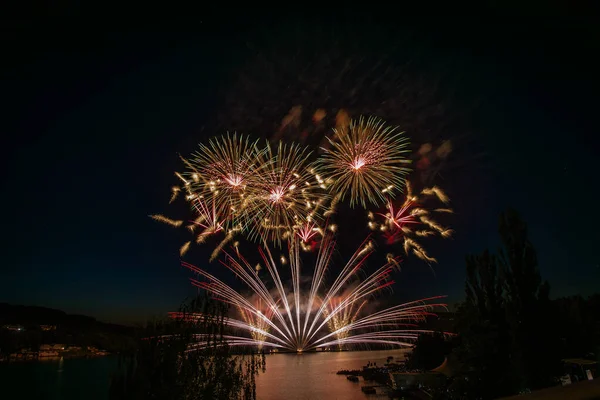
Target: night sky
<point>93,125</point>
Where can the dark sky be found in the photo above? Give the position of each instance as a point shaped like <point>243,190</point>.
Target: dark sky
<point>93,122</point>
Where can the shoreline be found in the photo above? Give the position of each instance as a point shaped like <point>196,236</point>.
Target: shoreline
<point>36,358</point>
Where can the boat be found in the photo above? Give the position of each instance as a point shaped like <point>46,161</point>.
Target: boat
<point>352,378</point>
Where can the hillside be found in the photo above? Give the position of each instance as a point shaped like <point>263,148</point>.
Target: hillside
<point>41,325</point>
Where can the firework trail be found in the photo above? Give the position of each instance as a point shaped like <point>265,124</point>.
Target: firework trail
<point>319,316</point>
<point>259,334</point>
<point>223,170</point>
<point>317,76</point>
<point>233,187</point>
<point>368,161</point>
<point>273,193</point>
<point>265,193</point>
<point>342,319</point>
<point>209,220</point>
<point>313,73</point>
<point>283,195</point>
<point>166,220</point>
<point>411,221</point>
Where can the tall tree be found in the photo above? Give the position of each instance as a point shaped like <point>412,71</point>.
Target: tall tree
<point>508,342</point>
<point>484,340</point>
<point>534,342</point>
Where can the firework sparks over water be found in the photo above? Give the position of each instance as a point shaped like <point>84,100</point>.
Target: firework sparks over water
<point>284,196</point>
<point>367,161</point>
<point>275,195</point>
<point>272,194</point>
<point>222,172</point>
<point>411,221</point>
<point>319,316</point>
<point>235,187</point>
<point>258,321</point>
<point>342,319</point>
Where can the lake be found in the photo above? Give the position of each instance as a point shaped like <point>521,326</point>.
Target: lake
<point>313,375</point>
<point>288,376</point>
<point>73,378</point>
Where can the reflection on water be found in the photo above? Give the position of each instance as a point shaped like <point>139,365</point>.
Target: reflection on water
<point>59,378</point>
<point>313,375</point>
<point>289,376</point>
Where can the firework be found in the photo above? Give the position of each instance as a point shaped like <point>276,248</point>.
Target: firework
<point>236,187</point>
<point>342,319</point>
<point>367,162</point>
<point>283,194</point>
<point>215,184</point>
<point>318,316</point>
<point>209,220</point>
<point>411,221</point>
<point>166,220</point>
<point>308,233</point>
<point>223,170</point>
<point>256,321</point>
<point>273,194</point>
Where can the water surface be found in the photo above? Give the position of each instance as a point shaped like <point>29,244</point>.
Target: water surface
<point>288,376</point>
<point>58,379</point>
<point>313,375</point>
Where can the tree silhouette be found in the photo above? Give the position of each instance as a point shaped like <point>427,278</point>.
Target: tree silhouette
<point>174,363</point>
<point>507,339</point>
<point>429,352</point>
<point>578,323</point>
<point>484,339</point>
<point>534,341</point>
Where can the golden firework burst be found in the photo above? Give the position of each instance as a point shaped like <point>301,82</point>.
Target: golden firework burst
<point>368,161</point>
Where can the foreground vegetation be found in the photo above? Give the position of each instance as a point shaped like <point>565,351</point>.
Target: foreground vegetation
<point>188,359</point>
<point>511,335</point>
